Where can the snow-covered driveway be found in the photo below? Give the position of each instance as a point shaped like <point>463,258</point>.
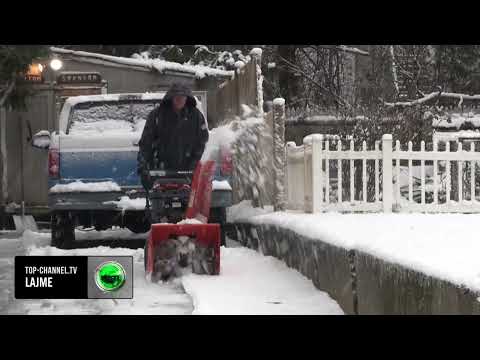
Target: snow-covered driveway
<point>249,284</point>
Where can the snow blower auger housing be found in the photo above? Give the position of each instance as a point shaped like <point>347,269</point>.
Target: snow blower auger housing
<point>174,244</point>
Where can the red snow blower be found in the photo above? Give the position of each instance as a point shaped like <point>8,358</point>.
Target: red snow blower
<point>180,237</point>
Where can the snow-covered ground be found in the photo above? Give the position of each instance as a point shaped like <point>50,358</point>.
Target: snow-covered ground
<point>249,284</point>
<point>253,284</point>
<point>445,246</point>
<point>155,299</point>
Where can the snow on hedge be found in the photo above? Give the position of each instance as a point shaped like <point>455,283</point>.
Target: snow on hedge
<point>456,120</point>
<point>256,52</point>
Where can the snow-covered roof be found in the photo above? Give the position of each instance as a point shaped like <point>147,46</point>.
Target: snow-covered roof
<point>161,66</point>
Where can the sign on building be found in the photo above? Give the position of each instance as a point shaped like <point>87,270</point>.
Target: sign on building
<point>79,78</point>
<point>34,74</point>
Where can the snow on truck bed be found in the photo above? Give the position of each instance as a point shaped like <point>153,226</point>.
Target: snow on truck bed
<point>79,186</point>
<point>445,246</point>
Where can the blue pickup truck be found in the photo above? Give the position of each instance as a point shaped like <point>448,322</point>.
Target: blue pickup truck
<point>92,165</point>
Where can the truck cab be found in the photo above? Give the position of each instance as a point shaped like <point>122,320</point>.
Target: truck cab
<point>92,165</point>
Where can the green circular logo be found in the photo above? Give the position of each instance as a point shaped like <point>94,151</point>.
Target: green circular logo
<point>110,276</point>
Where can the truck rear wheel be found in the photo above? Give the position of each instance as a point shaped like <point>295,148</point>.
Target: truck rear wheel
<point>138,224</point>
<point>63,230</point>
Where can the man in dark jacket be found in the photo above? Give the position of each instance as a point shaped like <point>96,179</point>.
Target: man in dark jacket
<point>174,136</point>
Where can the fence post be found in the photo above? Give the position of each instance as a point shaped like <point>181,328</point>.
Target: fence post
<point>256,54</point>
<point>307,176</point>
<point>317,179</point>
<point>387,158</point>
<point>279,154</point>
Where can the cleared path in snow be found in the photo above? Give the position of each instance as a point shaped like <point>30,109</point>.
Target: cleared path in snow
<point>253,284</point>
<point>249,284</point>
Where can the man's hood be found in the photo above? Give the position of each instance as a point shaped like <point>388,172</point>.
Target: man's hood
<point>181,90</point>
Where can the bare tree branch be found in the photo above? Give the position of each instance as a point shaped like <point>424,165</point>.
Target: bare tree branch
<point>432,96</point>
<point>394,70</point>
<point>295,68</point>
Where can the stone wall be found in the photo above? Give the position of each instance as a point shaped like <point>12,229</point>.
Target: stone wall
<point>359,282</point>
<point>327,266</point>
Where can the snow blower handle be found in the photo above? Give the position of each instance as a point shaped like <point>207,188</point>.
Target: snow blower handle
<point>170,173</point>
<point>171,176</point>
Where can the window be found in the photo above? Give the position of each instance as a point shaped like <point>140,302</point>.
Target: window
<point>110,117</point>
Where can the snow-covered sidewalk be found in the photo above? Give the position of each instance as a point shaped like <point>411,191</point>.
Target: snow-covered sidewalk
<point>249,283</point>
<point>253,284</point>
<point>446,246</point>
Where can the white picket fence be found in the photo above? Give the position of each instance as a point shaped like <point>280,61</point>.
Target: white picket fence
<point>312,188</point>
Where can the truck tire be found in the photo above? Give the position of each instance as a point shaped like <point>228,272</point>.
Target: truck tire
<point>219,216</point>
<point>63,230</point>
<point>138,225</point>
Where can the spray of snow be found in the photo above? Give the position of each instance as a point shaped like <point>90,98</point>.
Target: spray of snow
<point>224,136</point>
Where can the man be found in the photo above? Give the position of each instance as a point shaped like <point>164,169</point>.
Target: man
<point>174,136</point>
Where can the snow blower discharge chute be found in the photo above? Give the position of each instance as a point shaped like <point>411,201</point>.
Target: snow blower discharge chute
<point>180,236</point>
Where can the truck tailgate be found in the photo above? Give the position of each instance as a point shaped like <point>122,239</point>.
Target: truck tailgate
<point>99,158</point>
